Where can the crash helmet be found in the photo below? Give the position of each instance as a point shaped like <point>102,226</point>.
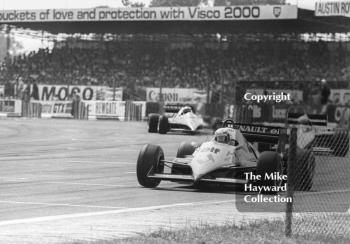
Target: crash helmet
<point>304,120</point>
<point>222,135</point>
<point>187,109</point>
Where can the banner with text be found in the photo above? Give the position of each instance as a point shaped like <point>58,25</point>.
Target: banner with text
<point>11,107</point>
<point>86,93</point>
<point>106,110</point>
<point>278,113</point>
<point>176,95</point>
<point>254,12</point>
<point>55,109</point>
<point>340,96</point>
<point>332,8</point>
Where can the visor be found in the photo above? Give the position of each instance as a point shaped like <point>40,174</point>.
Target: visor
<point>222,138</point>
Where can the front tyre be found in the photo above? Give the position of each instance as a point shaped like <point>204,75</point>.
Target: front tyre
<point>149,161</point>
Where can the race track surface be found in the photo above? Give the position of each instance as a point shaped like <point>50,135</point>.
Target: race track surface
<point>66,180</point>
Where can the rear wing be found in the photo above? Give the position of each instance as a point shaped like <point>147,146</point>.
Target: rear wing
<point>261,133</point>
<point>175,107</point>
<point>315,119</point>
<point>169,108</point>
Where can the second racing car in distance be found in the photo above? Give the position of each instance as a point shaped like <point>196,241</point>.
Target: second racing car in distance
<point>226,157</point>
<point>176,117</point>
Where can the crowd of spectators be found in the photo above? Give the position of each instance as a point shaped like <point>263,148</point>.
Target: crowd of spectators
<point>214,66</point>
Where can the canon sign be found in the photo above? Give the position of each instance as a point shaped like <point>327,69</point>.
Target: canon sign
<point>175,95</point>
<point>166,97</point>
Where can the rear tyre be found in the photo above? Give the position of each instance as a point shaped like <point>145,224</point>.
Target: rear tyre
<point>185,149</point>
<point>163,125</point>
<point>269,163</point>
<point>149,160</point>
<point>153,123</point>
<point>305,170</point>
<point>340,143</point>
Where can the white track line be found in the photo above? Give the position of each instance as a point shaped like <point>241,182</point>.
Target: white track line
<point>60,204</point>
<point>83,184</point>
<point>12,179</point>
<point>323,192</point>
<point>90,214</point>
<point>97,162</point>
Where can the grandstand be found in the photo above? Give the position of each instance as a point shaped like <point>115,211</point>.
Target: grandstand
<point>222,57</point>
<point>187,65</point>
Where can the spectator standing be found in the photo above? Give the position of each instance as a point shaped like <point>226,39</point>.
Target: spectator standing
<point>26,93</point>
<point>20,88</point>
<point>75,105</point>
<point>35,91</point>
<point>9,90</point>
<point>325,92</point>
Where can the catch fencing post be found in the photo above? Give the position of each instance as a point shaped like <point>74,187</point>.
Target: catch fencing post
<point>292,157</point>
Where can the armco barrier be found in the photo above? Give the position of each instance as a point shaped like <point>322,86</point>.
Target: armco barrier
<point>115,110</point>
<point>106,110</point>
<point>56,109</point>
<point>83,110</point>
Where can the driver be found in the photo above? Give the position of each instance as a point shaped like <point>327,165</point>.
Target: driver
<point>304,120</point>
<point>226,136</point>
<point>187,110</point>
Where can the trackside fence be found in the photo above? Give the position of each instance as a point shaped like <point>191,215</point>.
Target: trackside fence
<point>318,173</point>
<point>317,168</point>
<point>290,180</point>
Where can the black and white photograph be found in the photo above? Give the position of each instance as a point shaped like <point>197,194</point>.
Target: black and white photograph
<point>174,121</point>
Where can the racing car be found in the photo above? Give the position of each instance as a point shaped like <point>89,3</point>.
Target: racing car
<point>225,158</point>
<point>176,117</point>
<point>327,139</point>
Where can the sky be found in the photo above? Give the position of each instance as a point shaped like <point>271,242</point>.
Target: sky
<point>43,4</point>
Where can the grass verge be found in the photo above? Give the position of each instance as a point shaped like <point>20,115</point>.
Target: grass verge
<point>253,232</point>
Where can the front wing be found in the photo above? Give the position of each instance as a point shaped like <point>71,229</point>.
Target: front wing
<point>185,124</point>
<point>184,162</point>
<point>189,178</point>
